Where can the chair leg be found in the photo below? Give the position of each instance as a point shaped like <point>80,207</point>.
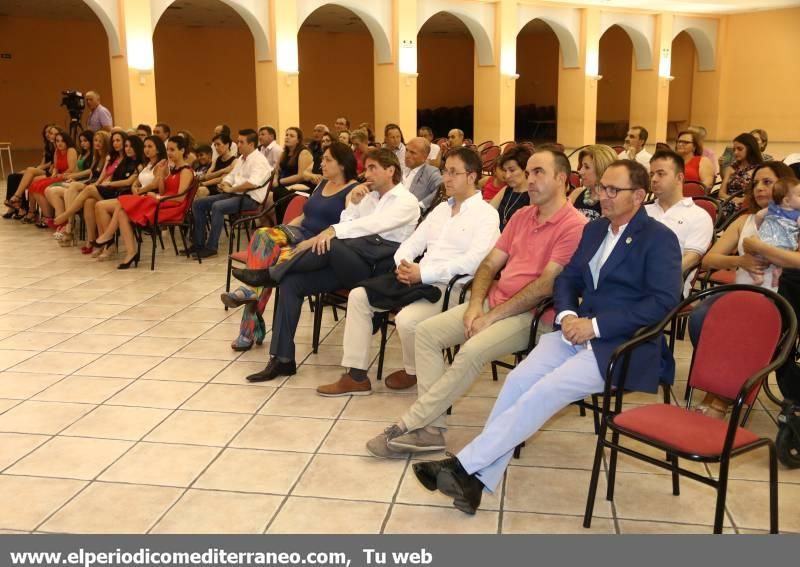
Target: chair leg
<point>317,324</point>
<point>722,492</point>
<point>161,240</point>
<point>156,235</point>
<point>612,468</point>
<point>773,489</point>
<point>595,413</point>
<point>676,482</point>
<point>172,237</point>
<point>598,457</point>
<point>382,350</point>
<point>228,278</point>
<point>494,371</point>
<point>518,450</point>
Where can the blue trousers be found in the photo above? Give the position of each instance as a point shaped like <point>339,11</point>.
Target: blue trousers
<point>553,375</point>
<point>219,205</point>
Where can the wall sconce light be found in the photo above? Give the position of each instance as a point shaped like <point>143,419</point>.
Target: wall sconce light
<point>140,56</point>
<point>142,73</point>
<point>408,77</point>
<point>289,75</point>
<point>511,79</point>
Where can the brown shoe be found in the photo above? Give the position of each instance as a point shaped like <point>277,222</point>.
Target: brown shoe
<point>345,386</point>
<point>400,380</point>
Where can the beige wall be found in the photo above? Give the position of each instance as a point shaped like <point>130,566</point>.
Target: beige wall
<point>336,77</point>
<point>446,71</point>
<point>32,80</point>
<point>204,77</point>
<point>537,65</point>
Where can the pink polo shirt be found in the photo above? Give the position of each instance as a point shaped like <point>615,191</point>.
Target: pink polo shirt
<point>531,245</point>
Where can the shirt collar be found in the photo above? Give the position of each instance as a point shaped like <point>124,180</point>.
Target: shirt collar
<point>621,230</point>
<point>566,209</point>
<point>451,201</point>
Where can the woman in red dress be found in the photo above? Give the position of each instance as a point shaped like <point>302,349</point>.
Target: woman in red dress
<point>141,209</point>
<point>64,162</point>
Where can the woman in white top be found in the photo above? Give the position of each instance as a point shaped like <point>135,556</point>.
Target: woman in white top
<point>154,152</point>
<point>753,255</point>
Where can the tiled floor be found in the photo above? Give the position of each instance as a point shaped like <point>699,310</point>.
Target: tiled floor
<point>123,409</point>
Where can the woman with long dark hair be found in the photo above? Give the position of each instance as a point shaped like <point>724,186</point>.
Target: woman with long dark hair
<point>17,183</point>
<point>65,161</point>
<point>270,246</point>
<point>295,159</point>
<point>736,177</point>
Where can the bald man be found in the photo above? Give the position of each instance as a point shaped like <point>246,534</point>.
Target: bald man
<point>99,115</point>
<point>419,177</point>
<point>455,138</point>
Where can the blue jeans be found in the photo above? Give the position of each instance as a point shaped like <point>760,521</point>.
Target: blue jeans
<point>220,205</point>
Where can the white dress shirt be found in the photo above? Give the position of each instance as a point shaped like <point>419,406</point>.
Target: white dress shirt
<point>435,151</point>
<point>253,169</point>
<point>595,265</point>
<point>453,244</point>
<point>642,157</point>
<point>409,175</point>
<point>272,152</point>
<point>392,216</point>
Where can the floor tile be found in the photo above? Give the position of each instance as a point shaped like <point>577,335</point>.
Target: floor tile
<point>206,512</point>
<point>350,437</point>
<point>280,433</point>
<point>124,327</point>
<point>177,329</point>
<point>56,362</point>
<point>28,340</point>
<point>254,471</point>
<point>28,501</point>
<point>22,385</point>
<point>151,346</point>
<point>230,398</point>
<point>117,422</point>
<point>326,516</point>
<point>199,428</point>
<point>87,343</point>
<point>83,389</point>
<point>11,358</point>
<point>659,528</point>
<point>161,464</point>
<point>552,491</point>
<point>236,373</point>
<point>113,508</point>
<point>205,349</point>
<point>433,520</point>
<point>120,366</point>
<point>199,315</point>
<point>559,449</point>
<point>155,394</point>
<point>71,457</point>
<point>65,324</point>
<point>14,446</point>
<point>42,417</point>
<point>336,476</point>
<point>303,403</point>
<point>748,503</point>
<point>378,407</point>
<point>533,523</point>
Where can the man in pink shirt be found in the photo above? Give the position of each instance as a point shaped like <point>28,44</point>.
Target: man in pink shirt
<point>537,243</point>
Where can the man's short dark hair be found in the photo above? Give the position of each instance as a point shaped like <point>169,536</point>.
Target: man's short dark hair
<point>638,175</point>
<point>146,128</point>
<point>203,149</point>
<point>224,138</point>
<point>165,127</point>
<point>386,158</point>
<point>224,129</point>
<point>677,161</point>
<point>250,135</point>
<point>642,133</point>
<point>560,161</point>
<point>346,121</point>
<point>271,131</point>
<point>471,160</point>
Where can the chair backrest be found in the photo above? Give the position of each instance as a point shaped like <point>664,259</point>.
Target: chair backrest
<point>489,157</point>
<point>694,189</point>
<point>709,205</point>
<point>295,208</point>
<point>483,145</point>
<point>720,367</point>
<point>618,149</point>
<point>575,179</point>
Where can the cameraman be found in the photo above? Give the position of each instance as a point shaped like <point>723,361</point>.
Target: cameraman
<point>99,115</point>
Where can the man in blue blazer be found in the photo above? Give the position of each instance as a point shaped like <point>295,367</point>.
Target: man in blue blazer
<point>625,274</point>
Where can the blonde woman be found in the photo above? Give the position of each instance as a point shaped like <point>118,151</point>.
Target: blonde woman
<point>592,163</point>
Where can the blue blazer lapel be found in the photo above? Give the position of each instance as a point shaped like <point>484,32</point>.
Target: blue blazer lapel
<point>592,246</point>
<point>625,243</point>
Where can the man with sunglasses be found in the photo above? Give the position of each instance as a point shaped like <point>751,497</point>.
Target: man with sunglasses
<point>537,243</point>
<point>625,275</point>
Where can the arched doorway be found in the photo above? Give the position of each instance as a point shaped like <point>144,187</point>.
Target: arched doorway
<point>537,87</point>
<point>614,89</point>
<point>684,60</point>
<point>446,67</point>
<point>335,55</point>
<point>32,80</point>
<point>205,68</point>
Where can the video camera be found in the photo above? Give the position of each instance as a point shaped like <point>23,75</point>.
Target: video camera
<point>74,102</point>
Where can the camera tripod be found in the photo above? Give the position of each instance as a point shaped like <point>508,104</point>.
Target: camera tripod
<point>75,128</point>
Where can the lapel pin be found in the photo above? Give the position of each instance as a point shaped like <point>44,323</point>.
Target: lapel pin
<point>628,240</point>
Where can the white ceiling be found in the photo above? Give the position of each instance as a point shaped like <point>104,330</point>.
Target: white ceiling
<point>687,6</point>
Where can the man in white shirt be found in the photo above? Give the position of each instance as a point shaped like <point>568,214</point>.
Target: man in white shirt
<point>623,276</point>
<point>268,145</point>
<point>380,214</point>
<point>455,138</point>
<point>422,179</point>
<point>249,175</point>
<point>434,156</point>
<point>690,223</point>
<point>393,140</point>
<point>634,146</point>
<point>454,238</point>
<point>99,115</point>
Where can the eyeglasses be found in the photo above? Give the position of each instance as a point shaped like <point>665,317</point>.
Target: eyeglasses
<point>612,191</point>
<point>453,172</point>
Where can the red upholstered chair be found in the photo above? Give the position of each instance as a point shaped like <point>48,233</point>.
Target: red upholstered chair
<point>618,149</point>
<point>694,189</point>
<point>575,179</point>
<point>489,157</point>
<point>735,374</point>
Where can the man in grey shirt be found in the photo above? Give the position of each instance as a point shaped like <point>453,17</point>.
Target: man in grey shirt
<point>99,115</point>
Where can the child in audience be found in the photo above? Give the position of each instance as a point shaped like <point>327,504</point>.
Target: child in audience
<point>491,186</point>
<point>203,162</point>
<point>779,225</point>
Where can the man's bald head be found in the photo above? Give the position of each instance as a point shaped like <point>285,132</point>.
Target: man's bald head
<point>417,150</point>
<point>455,138</point>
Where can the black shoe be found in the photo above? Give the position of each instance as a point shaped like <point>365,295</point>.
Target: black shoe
<point>427,471</point>
<point>9,214</point>
<point>465,489</point>
<point>206,253</point>
<point>190,250</point>
<point>274,369</point>
<point>254,278</point>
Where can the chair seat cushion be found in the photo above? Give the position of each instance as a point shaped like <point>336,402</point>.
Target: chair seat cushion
<point>723,277</point>
<point>240,256</point>
<point>681,429</point>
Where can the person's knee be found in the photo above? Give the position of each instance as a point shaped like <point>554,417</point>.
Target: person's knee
<point>358,300</point>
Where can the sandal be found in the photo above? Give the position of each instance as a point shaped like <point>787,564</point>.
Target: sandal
<point>28,219</point>
<point>41,224</point>
<point>242,343</point>
<point>66,239</point>
<point>240,296</point>
<point>711,411</point>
